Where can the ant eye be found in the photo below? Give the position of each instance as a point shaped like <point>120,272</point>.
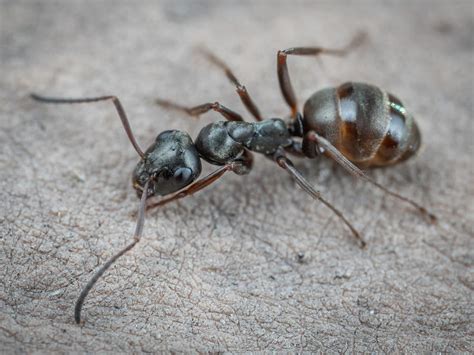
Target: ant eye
<point>183,175</point>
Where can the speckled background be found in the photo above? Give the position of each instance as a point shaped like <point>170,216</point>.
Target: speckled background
<point>219,271</point>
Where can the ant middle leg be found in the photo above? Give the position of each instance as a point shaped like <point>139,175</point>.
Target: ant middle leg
<point>196,111</point>
<point>241,89</point>
<point>280,158</point>
<point>282,67</point>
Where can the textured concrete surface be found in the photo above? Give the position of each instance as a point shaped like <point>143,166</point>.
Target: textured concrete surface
<point>219,271</point>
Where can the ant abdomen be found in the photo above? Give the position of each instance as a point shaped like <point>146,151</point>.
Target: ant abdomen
<point>367,125</point>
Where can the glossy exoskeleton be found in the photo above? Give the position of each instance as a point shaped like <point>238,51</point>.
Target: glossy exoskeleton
<point>357,125</point>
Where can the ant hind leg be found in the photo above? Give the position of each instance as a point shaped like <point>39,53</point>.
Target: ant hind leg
<point>282,67</point>
<point>312,141</point>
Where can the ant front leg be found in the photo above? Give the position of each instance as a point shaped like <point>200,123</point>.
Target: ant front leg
<point>241,89</point>
<point>241,166</point>
<point>201,109</point>
<point>282,67</point>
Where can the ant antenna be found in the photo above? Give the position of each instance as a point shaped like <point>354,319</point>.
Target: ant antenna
<point>136,238</point>
<point>287,164</point>
<point>115,101</point>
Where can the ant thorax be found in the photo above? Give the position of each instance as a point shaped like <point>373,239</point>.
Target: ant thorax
<point>222,142</point>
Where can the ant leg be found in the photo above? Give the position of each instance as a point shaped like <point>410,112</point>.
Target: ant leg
<point>115,101</point>
<point>312,141</point>
<point>287,164</point>
<point>136,238</point>
<point>199,110</point>
<point>240,167</point>
<point>296,149</point>
<point>241,89</point>
<point>195,187</point>
<point>282,68</point>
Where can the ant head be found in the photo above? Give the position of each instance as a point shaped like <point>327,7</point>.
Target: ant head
<point>170,163</point>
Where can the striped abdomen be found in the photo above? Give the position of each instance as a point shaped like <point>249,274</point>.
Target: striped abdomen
<point>369,126</point>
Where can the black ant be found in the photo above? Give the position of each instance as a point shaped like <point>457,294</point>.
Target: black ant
<point>355,124</point>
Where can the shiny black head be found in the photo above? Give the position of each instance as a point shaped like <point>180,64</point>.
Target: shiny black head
<point>171,163</point>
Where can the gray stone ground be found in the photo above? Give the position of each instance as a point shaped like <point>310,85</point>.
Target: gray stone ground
<point>219,271</point>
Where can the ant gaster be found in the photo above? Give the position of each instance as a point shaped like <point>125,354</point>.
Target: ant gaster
<point>357,125</point>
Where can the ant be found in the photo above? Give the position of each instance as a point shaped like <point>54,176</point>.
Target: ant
<point>356,124</point>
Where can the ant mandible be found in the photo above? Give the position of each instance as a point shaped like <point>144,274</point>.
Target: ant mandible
<point>357,125</point>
